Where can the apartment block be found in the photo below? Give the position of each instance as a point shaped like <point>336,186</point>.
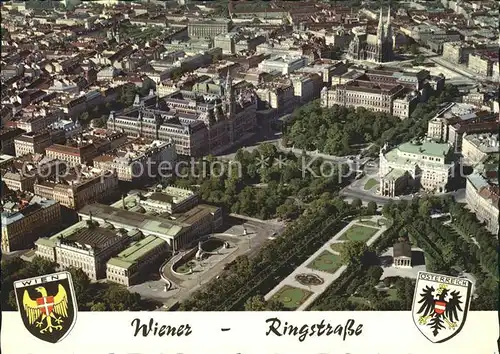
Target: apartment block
<point>24,221</point>
<point>80,187</point>
<point>139,160</point>
<point>482,197</point>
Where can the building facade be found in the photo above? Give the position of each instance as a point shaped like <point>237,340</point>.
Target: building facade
<point>22,224</point>
<point>197,124</point>
<point>7,138</point>
<point>372,96</point>
<point>83,190</point>
<point>377,48</point>
<point>139,160</point>
<point>414,165</point>
<point>126,267</point>
<point>476,147</point>
<point>209,28</point>
<point>401,255</point>
<point>87,245</point>
<point>482,197</point>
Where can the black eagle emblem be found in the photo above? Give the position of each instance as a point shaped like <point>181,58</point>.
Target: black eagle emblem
<point>437,311</point>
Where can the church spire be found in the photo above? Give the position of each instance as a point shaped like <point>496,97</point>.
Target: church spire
<point>388,27</point>
<point>380,28</point>
<point>229,95</point>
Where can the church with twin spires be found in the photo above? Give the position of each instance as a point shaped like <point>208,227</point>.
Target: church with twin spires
<point>377,48</point>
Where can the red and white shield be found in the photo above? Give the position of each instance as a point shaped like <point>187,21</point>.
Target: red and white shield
<point>45,304</point>
<point>439,307</point>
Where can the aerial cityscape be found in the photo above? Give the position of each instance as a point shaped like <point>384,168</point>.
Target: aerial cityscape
<point>250,155</point>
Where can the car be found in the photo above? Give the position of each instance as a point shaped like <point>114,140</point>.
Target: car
<point>274,234</point>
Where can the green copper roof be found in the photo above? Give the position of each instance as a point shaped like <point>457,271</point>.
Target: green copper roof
<point>135,252</point>
<point>51,242</point>
<point>428,148</point>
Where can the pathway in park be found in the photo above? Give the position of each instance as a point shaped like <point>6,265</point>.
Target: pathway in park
<point>325,258</point>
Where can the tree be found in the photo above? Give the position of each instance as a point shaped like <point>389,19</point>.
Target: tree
<point>356,203</point>
<point>371,208</point>
<point>353,252</point>
<point>275,305</point>
<point>98,306</point>
<point>81,284</point>
<point>424,208</point>
<point>118,298</point>
<point>414,49</point>
<point>256,303</point>
<point>419,60</point>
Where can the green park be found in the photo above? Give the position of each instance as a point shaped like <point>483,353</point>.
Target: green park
<point>326,262</point>
<point>291,297</point>
<point>358,233</point>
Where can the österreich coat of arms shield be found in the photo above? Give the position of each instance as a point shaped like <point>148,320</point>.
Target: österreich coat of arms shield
<point>440,305</point>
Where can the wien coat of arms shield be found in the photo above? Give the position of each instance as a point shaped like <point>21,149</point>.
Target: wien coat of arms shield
<point>440,305</point>
<point>47,305</point>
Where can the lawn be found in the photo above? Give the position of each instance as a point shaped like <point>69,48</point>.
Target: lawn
<point>185,267</point>
<point>291,296</point>
<point>358,233</point>
<point>326,262</point>
<point>368,222</point>
<point>336,247</point>
<point>370,184</point>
